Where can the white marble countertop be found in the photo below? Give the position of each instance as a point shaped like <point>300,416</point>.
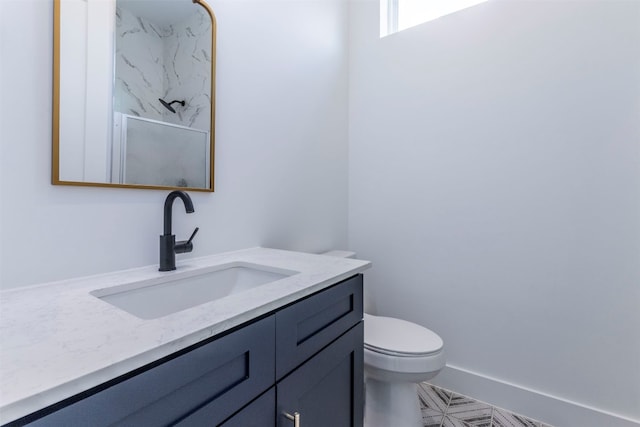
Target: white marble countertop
<point>56,339</point>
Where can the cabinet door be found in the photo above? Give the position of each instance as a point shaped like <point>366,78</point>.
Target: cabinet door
<point>306,327</point>
<point>328,389</point>
<point>203,386</point>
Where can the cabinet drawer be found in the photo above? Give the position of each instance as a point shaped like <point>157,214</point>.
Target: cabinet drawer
<point>213,380</point>
<point>306,327</point>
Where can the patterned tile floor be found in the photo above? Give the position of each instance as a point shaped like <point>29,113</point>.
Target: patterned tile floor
<point>443,408</point>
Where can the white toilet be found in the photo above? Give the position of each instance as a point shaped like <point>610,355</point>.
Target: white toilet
<point>397,356</point>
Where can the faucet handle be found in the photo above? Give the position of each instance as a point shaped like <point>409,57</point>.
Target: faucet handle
<point>193,235</point>
<point>185,246</point>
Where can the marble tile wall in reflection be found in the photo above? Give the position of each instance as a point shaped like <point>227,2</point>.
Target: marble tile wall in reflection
<point>169,62</point>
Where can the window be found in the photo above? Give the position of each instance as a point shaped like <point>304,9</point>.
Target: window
<point>398,15</point>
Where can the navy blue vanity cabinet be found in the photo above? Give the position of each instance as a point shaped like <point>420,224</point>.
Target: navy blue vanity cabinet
<point>260,413</point>
<point>307,326</point>
<point>328,389</point>
<point>305,358</point>
<point>319,358</point>
<point>210,381</point>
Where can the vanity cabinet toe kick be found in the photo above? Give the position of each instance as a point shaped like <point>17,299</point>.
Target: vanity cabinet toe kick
<point>301,364</point>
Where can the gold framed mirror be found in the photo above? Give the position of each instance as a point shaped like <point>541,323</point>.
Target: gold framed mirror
<point>134,94</point>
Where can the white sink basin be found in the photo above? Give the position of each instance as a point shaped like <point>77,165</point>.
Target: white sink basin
<point>159,297</point>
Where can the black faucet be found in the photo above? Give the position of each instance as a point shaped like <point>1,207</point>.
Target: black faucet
<point>168,246</point>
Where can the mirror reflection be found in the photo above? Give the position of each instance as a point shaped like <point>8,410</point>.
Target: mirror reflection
<point>136,102</point>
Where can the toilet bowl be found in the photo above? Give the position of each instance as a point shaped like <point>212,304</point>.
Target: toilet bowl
<point>397,356</point>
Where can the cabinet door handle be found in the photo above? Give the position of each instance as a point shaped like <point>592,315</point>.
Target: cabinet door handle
<point>295,418</point>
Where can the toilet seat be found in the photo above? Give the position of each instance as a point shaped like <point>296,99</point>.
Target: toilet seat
<point>395,347</point>
<point>399,338</point>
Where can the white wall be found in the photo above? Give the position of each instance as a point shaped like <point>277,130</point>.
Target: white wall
<point>86,73</point>
<point>281,149</point>
<point>495,184</point>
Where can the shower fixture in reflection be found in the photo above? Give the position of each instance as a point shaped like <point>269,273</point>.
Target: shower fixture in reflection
<point>168,104</point>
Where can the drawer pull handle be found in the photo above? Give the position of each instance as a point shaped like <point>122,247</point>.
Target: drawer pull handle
<point>295,418</point>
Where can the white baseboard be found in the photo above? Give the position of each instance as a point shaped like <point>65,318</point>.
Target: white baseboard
<point>530,403</point>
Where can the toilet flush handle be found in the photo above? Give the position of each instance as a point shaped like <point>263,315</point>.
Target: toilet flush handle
<point>295,418</point>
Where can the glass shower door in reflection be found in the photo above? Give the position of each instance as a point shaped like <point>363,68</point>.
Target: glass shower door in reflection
<point>151,152</point>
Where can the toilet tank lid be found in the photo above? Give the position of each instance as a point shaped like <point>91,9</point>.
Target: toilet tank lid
<point>399,336</point>
<point>340,254</point>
